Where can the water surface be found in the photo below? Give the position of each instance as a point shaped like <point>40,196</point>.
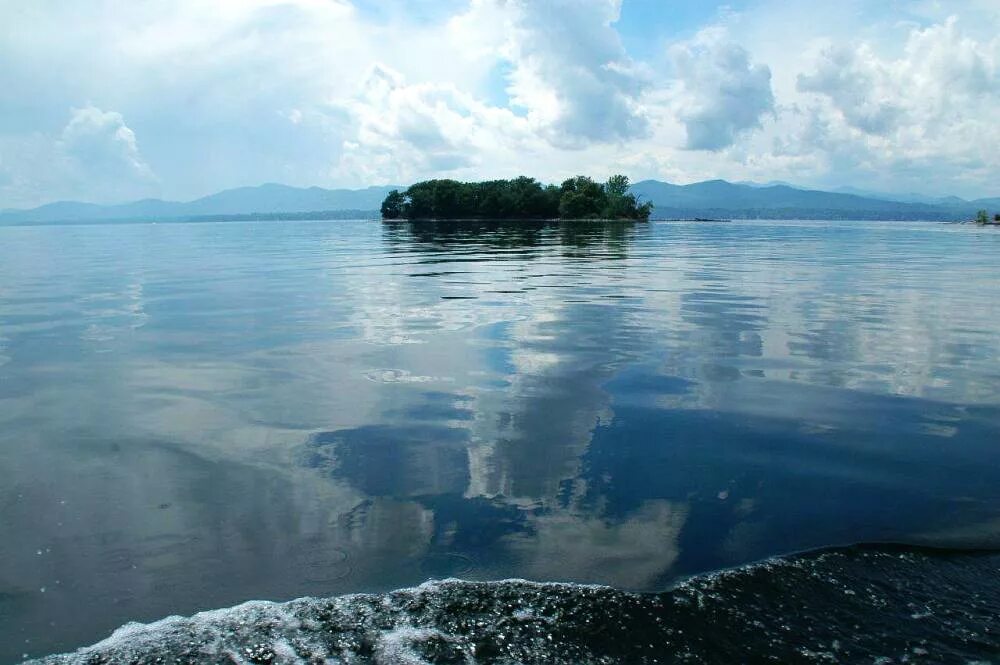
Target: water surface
<point>196,415</point>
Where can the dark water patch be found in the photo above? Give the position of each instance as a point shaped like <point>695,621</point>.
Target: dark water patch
<point>860,604</point>
<point>444,273</point>
<point>754,480</point>
<point>399,461</point>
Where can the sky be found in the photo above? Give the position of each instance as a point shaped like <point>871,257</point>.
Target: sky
<point>109,101</point>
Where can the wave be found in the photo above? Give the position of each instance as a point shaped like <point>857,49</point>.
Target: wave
<point>857,604</point>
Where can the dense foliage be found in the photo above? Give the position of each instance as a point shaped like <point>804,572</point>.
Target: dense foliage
<point>983,217</point>
<point>520,198</point>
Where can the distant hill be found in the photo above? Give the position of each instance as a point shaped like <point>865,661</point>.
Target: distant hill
<point>270,199</point>
<point>911,197</point>
<point>713,198</point>
<point>992,204</point>
<point>718,198</point>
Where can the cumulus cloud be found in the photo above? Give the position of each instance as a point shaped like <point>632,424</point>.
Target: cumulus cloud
<point>571,73</point>
<point>932,108</point>
<point>402,131</point>
<point>95,157</point>
<point>941,73</point>
<point>100,143</point>
<point>425,125</point>
<point>857,87</point>
<point>569,81</point>
<point>724,93</point>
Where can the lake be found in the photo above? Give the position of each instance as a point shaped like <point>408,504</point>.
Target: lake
<point>197,415</point>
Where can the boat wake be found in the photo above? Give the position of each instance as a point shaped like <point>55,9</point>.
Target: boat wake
<point>861,603</point>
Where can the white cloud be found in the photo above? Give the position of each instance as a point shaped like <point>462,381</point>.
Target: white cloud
<point>404,131</point>
<point>95,157</point>
<point>334,93</point>
<point>930,110</point>
<point>569,81</point>
<point>100,143</point>
<point>571,72</point>
<point>724,93</point>
<point>860,90</point>
<point>940,73</point>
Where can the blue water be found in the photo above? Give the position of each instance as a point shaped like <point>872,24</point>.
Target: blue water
<point>197,415</point>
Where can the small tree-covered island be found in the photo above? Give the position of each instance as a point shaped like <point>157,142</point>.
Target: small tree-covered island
<point>520,198</point>
<point>983,219</point>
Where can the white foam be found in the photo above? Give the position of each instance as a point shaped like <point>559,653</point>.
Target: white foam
<point>395,647</point>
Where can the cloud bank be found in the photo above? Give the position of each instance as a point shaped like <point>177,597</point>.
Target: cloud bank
<point>106,101</point>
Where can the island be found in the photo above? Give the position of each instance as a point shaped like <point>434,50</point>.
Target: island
<point>983,219</point>
<point>579,198</point>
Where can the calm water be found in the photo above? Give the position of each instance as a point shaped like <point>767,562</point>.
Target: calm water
<point>192,416</point>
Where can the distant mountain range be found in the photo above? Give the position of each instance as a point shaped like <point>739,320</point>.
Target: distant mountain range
<point>718,198</point>
<point>713,198</point>
<point>265,200</point>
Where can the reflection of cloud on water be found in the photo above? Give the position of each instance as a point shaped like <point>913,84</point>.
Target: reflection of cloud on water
<point>985,532</point>
<point>532,372</point>
<point>534,363</point>
<point>529,439</point>
<point>140,528</point>
<point>387,529</point>
<point>397,309</point>
<point>630,553</point>
<point>109,315</point>
<point>400,376</point>
<point>833,309</point>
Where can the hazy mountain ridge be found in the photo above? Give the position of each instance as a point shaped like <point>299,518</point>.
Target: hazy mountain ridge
<point>719,198</point>
<point>712,198</point>
<point>261,200</point>
<point>909,197</point>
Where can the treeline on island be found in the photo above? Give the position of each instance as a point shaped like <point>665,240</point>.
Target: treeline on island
<point>983,217</point>
<point>520,198</point>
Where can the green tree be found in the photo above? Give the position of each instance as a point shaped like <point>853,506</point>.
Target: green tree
<point>582,198</point>
<point>644,210</point>
<point>420,203</point>
<point>620,203</point>
<point>575,205</point>
<point>996,217</point>
<point>982,217</point>
<point>520,198</point>
<point>446,197</point>
<point>392,207</point>
<point>617,186</point>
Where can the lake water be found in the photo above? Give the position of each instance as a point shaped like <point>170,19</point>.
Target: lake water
<point>197,415</point>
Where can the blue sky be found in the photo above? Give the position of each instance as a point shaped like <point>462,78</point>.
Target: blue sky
<point>107,101</point>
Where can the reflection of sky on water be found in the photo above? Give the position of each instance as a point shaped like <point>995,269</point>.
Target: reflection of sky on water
<point>195,415</point>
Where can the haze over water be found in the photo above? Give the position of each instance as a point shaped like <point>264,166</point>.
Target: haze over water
<point>196,415</point>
